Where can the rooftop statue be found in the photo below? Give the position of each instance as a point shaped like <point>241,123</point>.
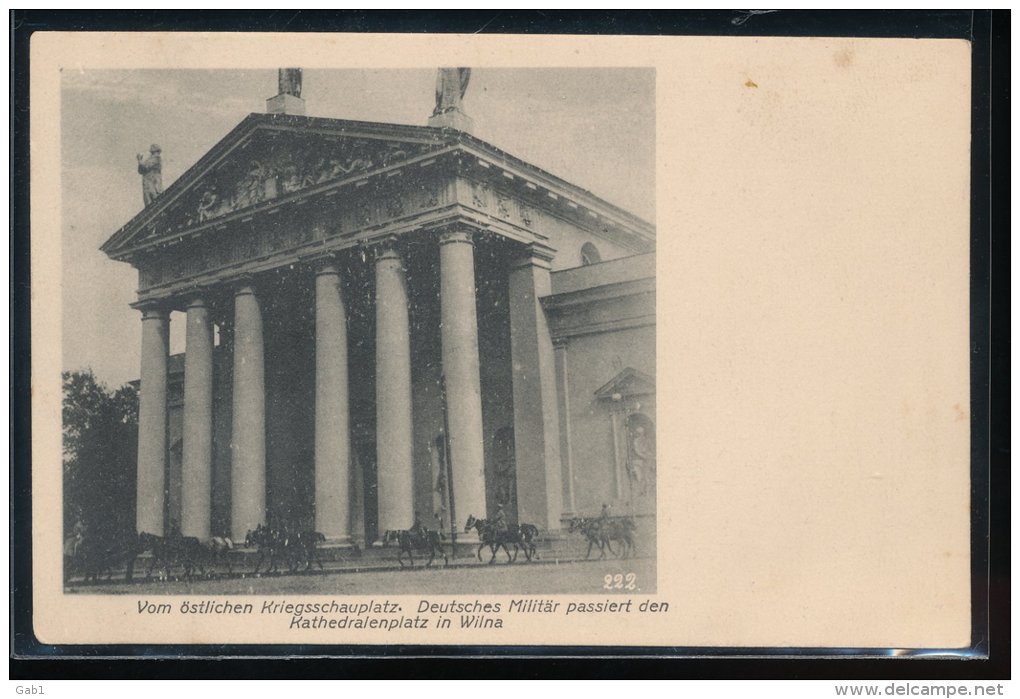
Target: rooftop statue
<point>151,170</point>
<point>290,81</point>
<point>451,83</point>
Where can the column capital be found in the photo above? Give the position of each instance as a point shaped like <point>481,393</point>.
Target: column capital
<point>387,248</point>
<point>534,255</point>
<point>456,235</point>
<point>244,286</point>
<point>322,262</point>
<point>155,313</point>
<point>326,265</point>
<point>326,268</point>
<point>152,309</point>
<point>196,300</point>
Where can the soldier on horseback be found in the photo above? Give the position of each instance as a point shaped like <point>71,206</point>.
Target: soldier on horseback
<point>499,522</point>
<point>73,543</point>
<point>418,529</point>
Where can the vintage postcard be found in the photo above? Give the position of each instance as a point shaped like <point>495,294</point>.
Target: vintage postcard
<point>475,340</point>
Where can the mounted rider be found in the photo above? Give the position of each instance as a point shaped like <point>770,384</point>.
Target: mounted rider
<point>500,524</point>
<point>73,543</point>
<point>418,529</point>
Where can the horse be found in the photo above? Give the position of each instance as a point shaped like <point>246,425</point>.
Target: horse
<point>592,531</point>
<point>220,548</point>
<point>156,546</point>
<point>168,551</point>
<point>72,545</point>
<point>190,553</point>
<point>273,542</point>
<point>305,547</point>
<point>91,556</point>
<point>83,555</point>
<point>421,540</point>
<point>621,530</point>
<point>602,531</point>
<point>494,538</point>
<point>528,535</point>
<point>184,551</point>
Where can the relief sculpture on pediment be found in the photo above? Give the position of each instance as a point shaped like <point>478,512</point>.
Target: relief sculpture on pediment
<point>395,206</point>
<point>503,205</point>
<point>251,189</point>
<point>480,194</point>
<point>210,206</point>
<point>279,171</point>
<point>526,215</point>
<point>362,214</point>
<point>430,196</point>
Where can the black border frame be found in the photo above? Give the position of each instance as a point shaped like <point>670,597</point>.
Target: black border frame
<point>989,32</point>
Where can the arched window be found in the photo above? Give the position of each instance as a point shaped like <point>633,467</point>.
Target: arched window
<point>590,255</point>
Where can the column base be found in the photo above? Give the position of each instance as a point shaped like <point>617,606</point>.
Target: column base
<point>337,541</point>
<point>470,537</point>
<point>339,549</point>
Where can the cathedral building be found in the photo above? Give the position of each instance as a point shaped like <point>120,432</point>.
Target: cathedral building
<point>387,324</point>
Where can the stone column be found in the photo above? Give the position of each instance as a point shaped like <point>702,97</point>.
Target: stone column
<point>332,428</point>
<point>393,393</point>
<point>196,476</point>
<point>223,382</point>
<point>461,368</point>
<point>152,416</point>
<point>536,422</point>
<point>563,406</point>
<point>248,435</point>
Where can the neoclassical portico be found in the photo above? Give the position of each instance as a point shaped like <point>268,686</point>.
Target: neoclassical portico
<point>333,478</point>
<point>363,328</point>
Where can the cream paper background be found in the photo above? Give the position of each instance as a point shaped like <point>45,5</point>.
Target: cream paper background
<point>813,311</point>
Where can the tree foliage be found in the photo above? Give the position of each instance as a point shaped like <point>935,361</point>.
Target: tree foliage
<point>100,447</point>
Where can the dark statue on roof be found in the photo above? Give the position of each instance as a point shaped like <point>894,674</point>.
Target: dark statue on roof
<point>290,81</point>
<point>451,84</point>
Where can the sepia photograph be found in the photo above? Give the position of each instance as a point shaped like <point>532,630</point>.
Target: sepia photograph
<point>329,326</point>
<point>458,341</point>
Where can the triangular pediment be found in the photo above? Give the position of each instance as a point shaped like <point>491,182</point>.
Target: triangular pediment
<point>268,159</point>
<point>629,382</point>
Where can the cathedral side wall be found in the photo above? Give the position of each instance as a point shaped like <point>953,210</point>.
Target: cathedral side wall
<point>568,240</point>
<point>602,318</point>
<point>560,229</point>
<point>592,361</point>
